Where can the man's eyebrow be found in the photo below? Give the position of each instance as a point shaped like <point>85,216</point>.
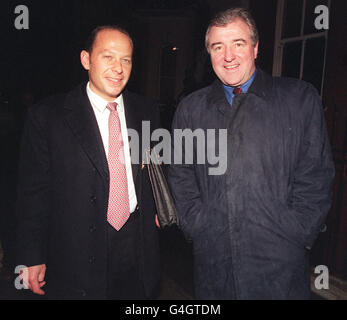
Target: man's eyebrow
<point>106,51</point>
<point>215,43</point>
<point>241,39</point>
<point>235,40</point>
<point>112,52</point>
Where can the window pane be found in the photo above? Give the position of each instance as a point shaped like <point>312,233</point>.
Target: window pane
<point>292,18</point>
<point>168,74</point>
<point>310,16</point>
<point>168,61</point>
<point>291,59</point>
<point>314,61</point>
<point>167,90</point>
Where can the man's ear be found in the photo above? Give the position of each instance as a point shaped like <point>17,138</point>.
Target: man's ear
<point>85,59</point>
<point>256,50</point>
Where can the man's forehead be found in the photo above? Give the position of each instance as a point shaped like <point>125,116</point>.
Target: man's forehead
<point>112,40</point>
<point>237,26</point>
<point>112,34</point>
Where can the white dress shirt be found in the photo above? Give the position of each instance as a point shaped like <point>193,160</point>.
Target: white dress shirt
<point>102,114</point>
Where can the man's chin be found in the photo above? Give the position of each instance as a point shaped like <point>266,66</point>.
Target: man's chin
<point>115,93</point>
<point>235,81</point>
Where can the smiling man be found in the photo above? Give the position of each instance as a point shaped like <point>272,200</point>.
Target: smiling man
<point>233,50</point>
<point>86,212</point>
<point>253,226</point>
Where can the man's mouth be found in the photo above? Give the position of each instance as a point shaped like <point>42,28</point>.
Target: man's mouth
<point>232,67</point>
<point>114,80</point>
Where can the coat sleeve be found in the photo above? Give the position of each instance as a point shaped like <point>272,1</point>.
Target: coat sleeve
<point>314,172</point>
<point>33,193</point>
<point>183,182</point>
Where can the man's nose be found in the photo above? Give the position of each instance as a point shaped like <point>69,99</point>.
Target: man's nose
<point>229,54</point>
<point>117,67</point>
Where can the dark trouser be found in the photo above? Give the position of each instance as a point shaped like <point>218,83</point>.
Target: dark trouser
<point>8,188</point>
<point>124,281</point>
<point>124,277</point>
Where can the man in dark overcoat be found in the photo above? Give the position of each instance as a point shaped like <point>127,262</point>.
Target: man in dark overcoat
<point>253,224</point>
<point>86,211</point>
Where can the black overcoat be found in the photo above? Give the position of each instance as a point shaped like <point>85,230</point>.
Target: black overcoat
<point>63,195</point>
<point>252,226</point>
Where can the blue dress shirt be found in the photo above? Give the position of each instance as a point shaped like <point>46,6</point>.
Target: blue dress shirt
<point>244,87</point>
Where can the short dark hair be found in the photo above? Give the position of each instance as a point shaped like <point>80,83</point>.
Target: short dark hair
<point>223,18</point>
<point>91,38</point>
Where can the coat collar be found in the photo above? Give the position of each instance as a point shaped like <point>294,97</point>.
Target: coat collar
<point>261,87</point>
<point>133,116</point>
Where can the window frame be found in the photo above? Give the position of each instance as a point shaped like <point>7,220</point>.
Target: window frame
<point>281,41</point>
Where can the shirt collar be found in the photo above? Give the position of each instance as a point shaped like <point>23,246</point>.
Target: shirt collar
<point>100,104</point>
<point>244,87</point>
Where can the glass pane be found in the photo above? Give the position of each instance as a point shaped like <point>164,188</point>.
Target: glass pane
<point>314,61</point>
<point>292,18</point>
<point>167,90</point>
<point>291,59</point>
<point>168,61</point>
<point>310,16</point>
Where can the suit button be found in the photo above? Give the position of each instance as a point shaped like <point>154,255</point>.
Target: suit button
<point>92,228</point>
<point>323,228</point>
<point>93,199</point>
<point>91,259</point>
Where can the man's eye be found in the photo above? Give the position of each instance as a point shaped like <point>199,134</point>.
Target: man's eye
<point>127,60</point>
<point>107,57</point>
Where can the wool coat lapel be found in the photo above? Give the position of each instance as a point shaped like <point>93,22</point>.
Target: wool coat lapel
<point>80,117</point>
<point>133,118</point>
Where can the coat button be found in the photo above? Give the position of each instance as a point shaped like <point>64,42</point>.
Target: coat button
<point>323,228</point>
<point>93,199</point>
<point>91,259</point>
<point>92,228</point>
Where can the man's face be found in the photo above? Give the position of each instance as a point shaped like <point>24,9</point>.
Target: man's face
<point>232,52</point>
<point>109,63</point>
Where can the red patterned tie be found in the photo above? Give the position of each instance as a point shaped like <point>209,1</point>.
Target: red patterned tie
<point>118,202</point>
<point>237,90</point>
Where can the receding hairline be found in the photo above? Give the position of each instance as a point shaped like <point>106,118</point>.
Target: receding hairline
<point>94,34</point>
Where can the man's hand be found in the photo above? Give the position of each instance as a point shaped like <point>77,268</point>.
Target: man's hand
<point>33,277</point>
<point>157,221</point>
